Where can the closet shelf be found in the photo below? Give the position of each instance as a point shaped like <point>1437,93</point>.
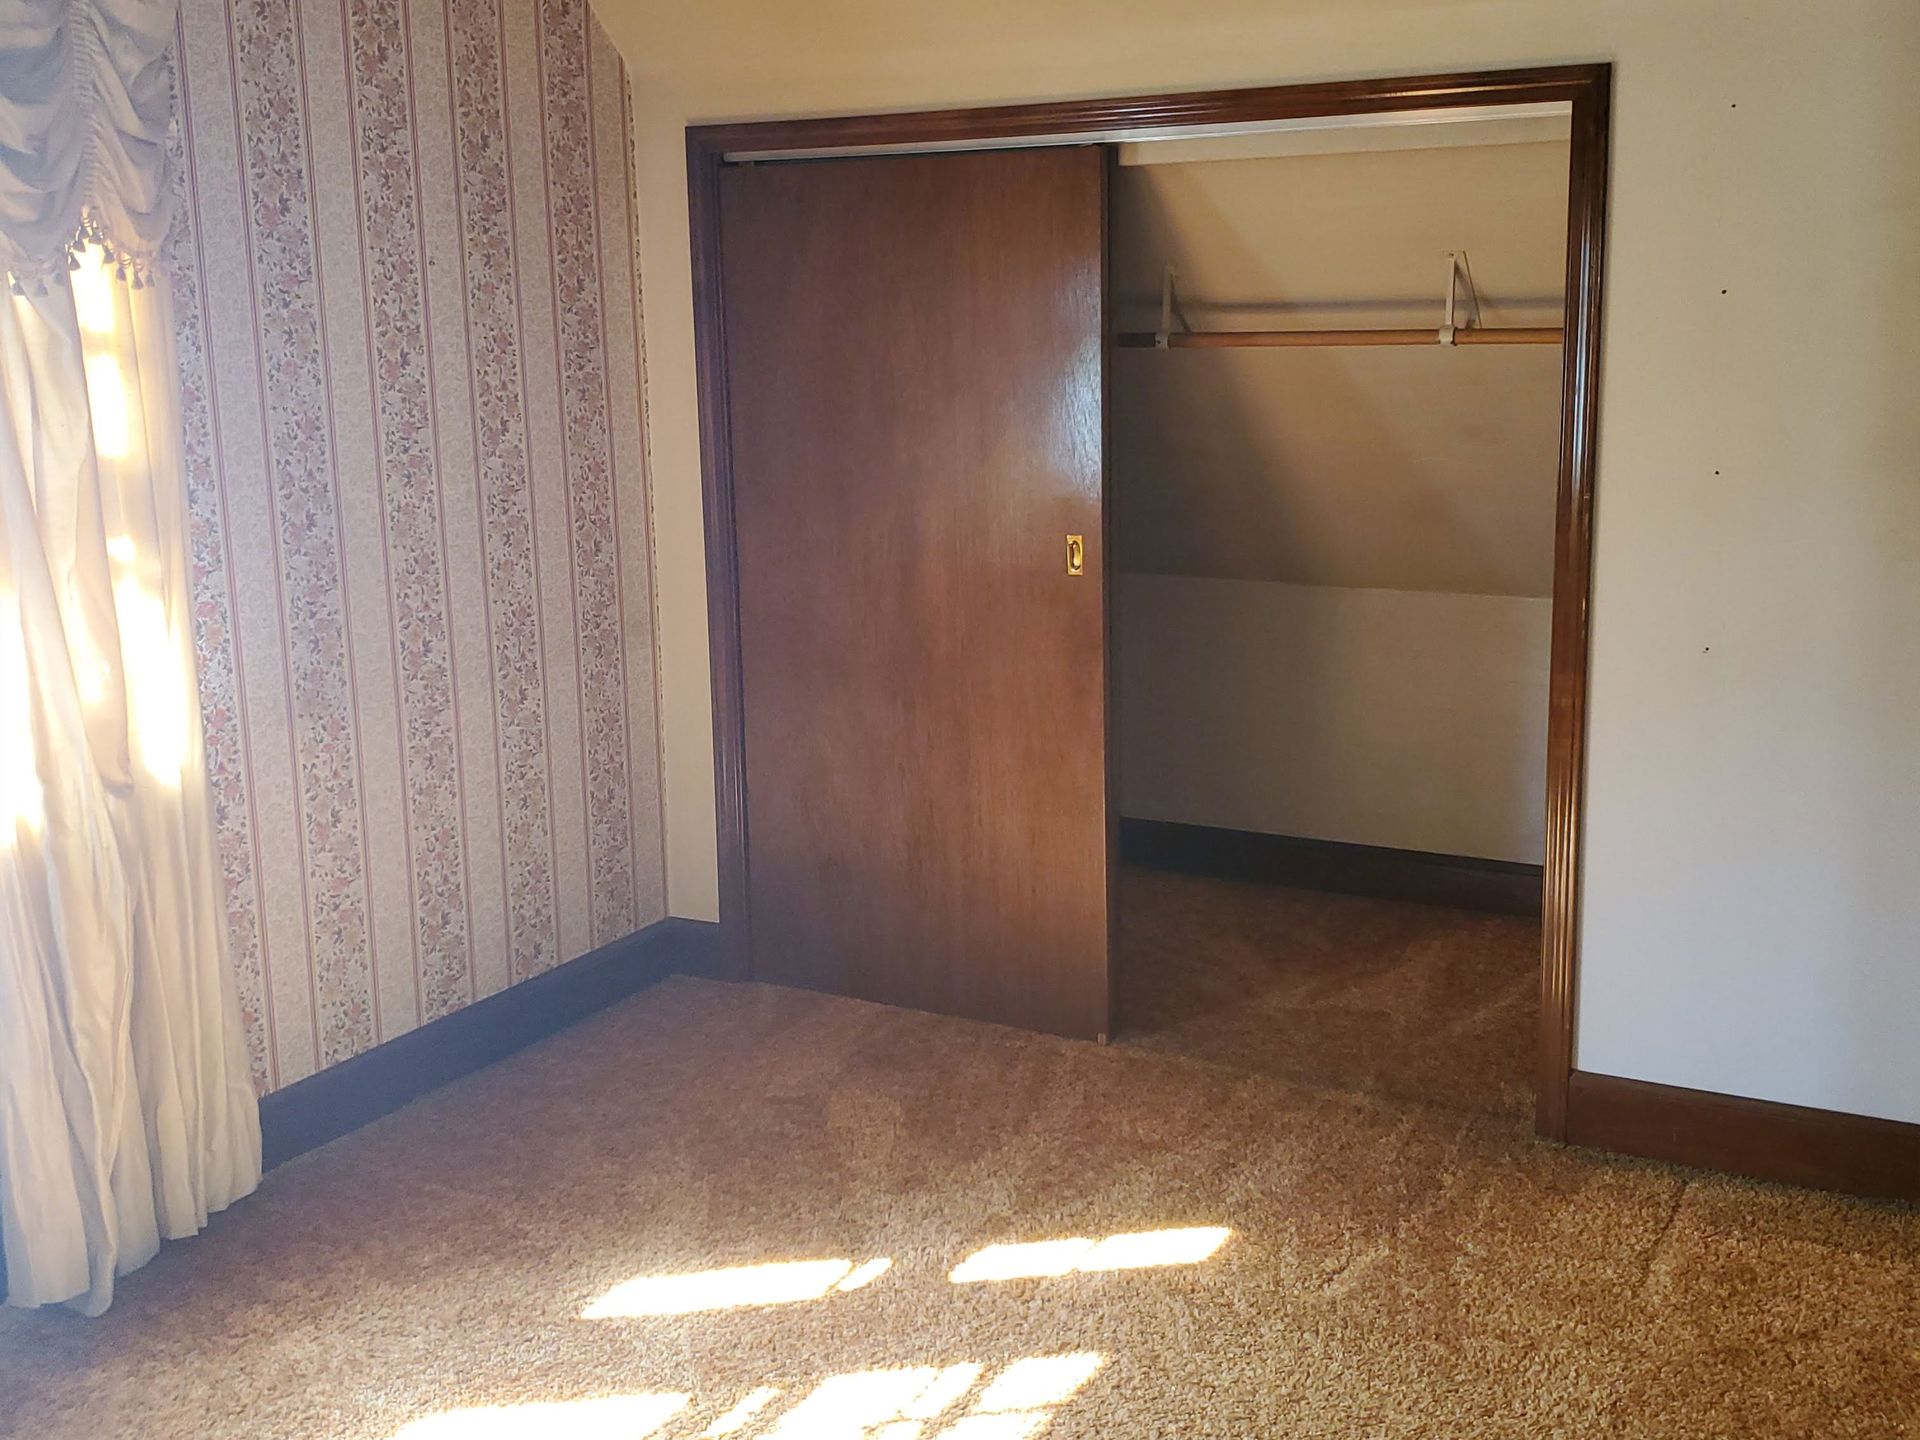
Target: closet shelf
<point>1459,272</point>
<point>1252,339</point>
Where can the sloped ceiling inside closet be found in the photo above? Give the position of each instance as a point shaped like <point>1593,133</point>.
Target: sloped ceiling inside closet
<point>1416,468</point>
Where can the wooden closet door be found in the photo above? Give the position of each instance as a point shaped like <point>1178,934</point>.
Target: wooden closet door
<point>914,358</point>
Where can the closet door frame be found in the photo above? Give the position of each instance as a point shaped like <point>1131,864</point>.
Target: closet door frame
<point>1587,89</point>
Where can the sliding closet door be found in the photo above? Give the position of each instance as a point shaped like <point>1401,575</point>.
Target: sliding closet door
<point>913,348</point>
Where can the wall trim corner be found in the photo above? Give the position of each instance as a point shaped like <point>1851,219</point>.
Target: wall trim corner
<point>1762,1139</point>
<point>332,1102</point>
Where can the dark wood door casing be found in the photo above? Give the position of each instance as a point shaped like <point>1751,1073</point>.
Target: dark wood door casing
<point>1585,88</point>
<point>914,355</point>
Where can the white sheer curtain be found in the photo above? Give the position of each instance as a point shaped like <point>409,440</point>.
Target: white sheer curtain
<point>126,1109</point>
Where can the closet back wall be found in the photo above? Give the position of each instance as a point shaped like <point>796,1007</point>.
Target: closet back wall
<point>1333,615</point>
<point>1401,718</point>
<point>409,347</point>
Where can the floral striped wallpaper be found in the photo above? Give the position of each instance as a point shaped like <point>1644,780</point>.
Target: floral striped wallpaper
<point>409,349</point>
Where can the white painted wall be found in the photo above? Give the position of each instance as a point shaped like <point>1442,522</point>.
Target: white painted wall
<point>1403,718</point>
<point>1750,921</point>
<point>1416,468</point>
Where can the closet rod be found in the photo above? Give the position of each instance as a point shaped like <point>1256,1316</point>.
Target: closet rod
<point>1239,339</point>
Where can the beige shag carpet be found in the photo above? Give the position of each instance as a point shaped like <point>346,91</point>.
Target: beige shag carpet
<point>1410,1002</point>
<point>477,1265</point>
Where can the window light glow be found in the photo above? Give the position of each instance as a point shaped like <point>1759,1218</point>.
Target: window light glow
<point>611,1417</point>
<point>96,301</point>
<point>92,675</point>
<point>112,416</point>
<point>1139,1250</point>
<point>157,696</point>
<point>151,678</point>
<point>93,297</point>
<point>21,800</point>
<point>776,1283</point>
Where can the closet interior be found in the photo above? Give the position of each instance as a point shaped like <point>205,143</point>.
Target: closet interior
<point>1334,408</point>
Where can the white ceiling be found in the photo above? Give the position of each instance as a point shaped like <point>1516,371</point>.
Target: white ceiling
<point>1395,468</point>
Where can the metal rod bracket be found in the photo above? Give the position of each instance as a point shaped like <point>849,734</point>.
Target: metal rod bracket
<point>1169,309</point>
<point>1458,271</point>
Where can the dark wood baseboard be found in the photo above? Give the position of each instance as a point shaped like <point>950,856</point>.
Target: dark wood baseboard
<point>344,1097</point>
<point>1822,1149</point>
<point>1465,882</point>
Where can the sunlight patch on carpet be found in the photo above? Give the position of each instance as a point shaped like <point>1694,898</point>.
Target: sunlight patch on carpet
<point>743,1414</point>
<point>928,1402</point>
<point>1138,1250</point>
<point>854,1404</point>
<point>609,1417</point>
<point>781,1282</point>
<point>914,1402</point>
<point>947,1388</point>
<point>865,1275</point>
<point>1040,1382</point>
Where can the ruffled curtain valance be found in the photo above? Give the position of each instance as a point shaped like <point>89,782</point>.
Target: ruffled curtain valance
<point>86,89</point>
